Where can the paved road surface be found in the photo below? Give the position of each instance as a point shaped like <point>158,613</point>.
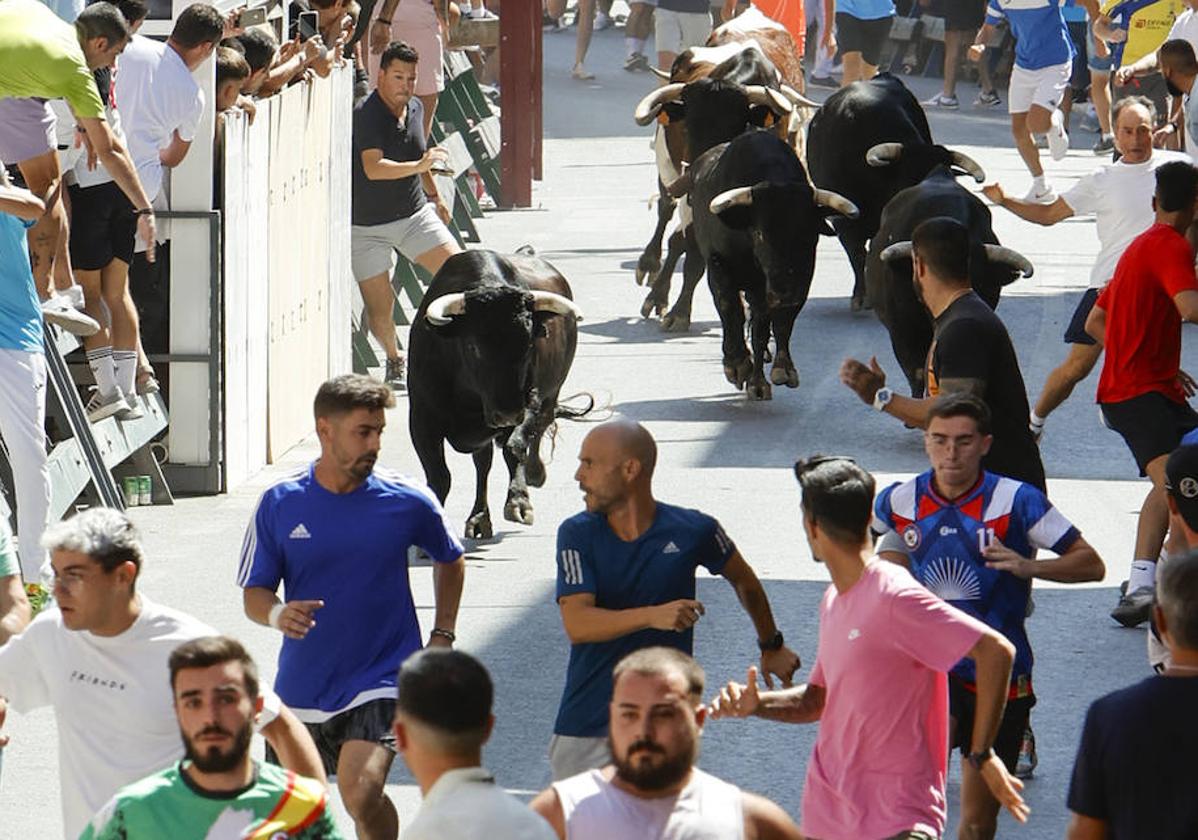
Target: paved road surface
<point>718,452</point>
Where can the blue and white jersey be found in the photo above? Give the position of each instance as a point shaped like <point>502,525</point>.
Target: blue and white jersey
<point>1041,36</point>
<point>657,567</point>
<point>944,542</point>
<point>349,550</point>
<point>20,309</point>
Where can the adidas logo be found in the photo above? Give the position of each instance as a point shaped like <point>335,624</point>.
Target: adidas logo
<point>299,532</point>
<point>670,548</point>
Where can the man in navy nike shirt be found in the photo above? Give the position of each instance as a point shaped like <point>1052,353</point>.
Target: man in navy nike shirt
<point>626,580</point>
<point>336,534</point>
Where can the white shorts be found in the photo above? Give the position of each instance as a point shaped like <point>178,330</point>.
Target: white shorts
<point>675,31</point>
<point>373,247</point>
<point>1043,87</point>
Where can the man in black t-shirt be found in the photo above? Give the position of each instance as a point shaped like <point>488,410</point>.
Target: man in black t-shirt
<point>1134,774</point>
<point>395,204</point>
<point>971,351</point>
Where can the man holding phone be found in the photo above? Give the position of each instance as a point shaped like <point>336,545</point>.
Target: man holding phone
<point>395,202</point>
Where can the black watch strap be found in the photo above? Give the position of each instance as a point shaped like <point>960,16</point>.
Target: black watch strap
<point>773,643</point>
<point>979,758</point>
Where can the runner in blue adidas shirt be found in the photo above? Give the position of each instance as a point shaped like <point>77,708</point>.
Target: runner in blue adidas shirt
<point>336,534</point>
<point>1043,65</point>
<point>971,537</point>
<point>626,580</point>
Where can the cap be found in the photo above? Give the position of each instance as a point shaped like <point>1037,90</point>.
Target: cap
<point>1181,480</point>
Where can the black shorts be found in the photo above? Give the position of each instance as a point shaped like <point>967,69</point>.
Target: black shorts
<point>371,722</point>
<point>1076,333</point>
<point>103,226</point>
<point>864,36</point>
<point>961,15</point>
<point>962,703</point>
<point>1080,77</point>
<point>1151,425</point>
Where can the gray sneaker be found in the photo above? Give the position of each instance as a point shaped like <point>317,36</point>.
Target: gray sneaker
<point>1105,145</point>
<point>1134,608</point>
<point>101,406</point>
<point>394,375</point>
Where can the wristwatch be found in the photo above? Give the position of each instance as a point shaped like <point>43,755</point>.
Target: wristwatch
<point>979,758</point>
<point>773,643</point>
<point>882,398</point>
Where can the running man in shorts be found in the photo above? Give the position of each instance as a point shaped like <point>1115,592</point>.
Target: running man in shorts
<point>395,204</point>
<point>679,24</point>
<point>862,27</point>
<point>1043,65</point>
<point>962,19</point>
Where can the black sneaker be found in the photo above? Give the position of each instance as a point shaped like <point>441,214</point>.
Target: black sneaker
<point>1105,145</point>
<point>823,81</point>
<point>394,375</point>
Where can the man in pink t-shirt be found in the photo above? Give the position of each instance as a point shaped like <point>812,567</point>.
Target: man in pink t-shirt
<point>879,685</point>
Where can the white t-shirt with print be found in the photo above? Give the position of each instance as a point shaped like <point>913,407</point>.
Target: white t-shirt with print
<point>111,696</point>
<point>1120,197</point>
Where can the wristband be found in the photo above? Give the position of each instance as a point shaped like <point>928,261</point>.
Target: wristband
<point>145,211</point>
<point>444,634</point>
<point>275,612</point>
<point>386,21</point>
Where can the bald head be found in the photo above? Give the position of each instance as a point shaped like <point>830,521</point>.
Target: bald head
<point>628,439</point>
<point>616,464</point>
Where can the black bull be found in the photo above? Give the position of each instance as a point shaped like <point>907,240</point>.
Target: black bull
<point>491,345</point>
<point>888,268</point>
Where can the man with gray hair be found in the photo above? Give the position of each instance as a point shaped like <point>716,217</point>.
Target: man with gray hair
<point>1150,718</point>
<point>99,656</point>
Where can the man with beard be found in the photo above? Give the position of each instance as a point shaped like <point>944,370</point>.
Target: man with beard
<point>971,352</point>
<point>97,657</point>
<point>336,534</point>
<point>878,688</point>
<point>652,788</point>
<point>216,790</point>
<point>626,580</point>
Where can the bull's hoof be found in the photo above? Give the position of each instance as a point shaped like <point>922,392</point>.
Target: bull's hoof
<point>646,271</point>
<point>676,321</point>
<point>652,305</point>
<point>534,472</point>
<point>787,375</point>
<point>518,510</point>
<point>857,303</point>
<point>759,390</point>
<point>737,373</point>
<point>478,526</point>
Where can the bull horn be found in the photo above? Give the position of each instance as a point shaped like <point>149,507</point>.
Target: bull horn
<point>739,197</point>
<point>661,74</point>
<point>442,310</point>
<point>897,251</point>
<point>770,98</point>
<point>552,302</point>
<point>1009,256</point>
<point>884,154</point>
<point>837,202</point>
<point>969,165</point>
<point>797,98</point>
<point>647,108</point>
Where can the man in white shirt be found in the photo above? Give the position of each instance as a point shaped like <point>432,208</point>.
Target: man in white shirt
<point>99,657</point>
<point>442,719</point>
<point>1179,68</point>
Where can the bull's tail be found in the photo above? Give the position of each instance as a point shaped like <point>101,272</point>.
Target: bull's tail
<point>583,412</point>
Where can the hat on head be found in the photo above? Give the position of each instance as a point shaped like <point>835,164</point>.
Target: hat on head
<point>1181,480</point>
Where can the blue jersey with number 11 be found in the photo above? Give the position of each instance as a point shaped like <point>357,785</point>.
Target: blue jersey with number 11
<point>944,541</point>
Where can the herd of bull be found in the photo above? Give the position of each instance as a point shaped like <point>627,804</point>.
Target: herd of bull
<point>754,183</point>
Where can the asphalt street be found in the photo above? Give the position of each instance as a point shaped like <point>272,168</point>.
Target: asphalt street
<point>718,452</point>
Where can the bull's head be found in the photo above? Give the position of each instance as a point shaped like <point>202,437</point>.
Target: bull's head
<point>784,221</point>
<point>913,162</point>
<point>708,112</point>
<point>496,328</point>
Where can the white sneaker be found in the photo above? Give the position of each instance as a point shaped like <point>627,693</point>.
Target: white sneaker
<point>132,410</point>
<point>74,295</point>
<point>481,14</point>
<point>1058,140</point>
<point>101,406</point>
<point>1041,195</point>
<point>58,310</point>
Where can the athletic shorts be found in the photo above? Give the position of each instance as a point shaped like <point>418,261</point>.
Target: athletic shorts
<point>26,129</point>
<point>1076,333</point>
<point>962,15</point>
<point>369,722</point>
<point>864,36</point>
<point>1152,85</point>
<point>1151,425</point>
<point>103,226</point>
<point>1043,87</point>
<point>415,23</point>
<point>1098,65</point>
<point>570,755</point>
<point>373,247</point>
<point>962,704</point>
<point>676,31</point>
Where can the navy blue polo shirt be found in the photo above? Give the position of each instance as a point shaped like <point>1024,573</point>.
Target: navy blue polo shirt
<point>402,141</point>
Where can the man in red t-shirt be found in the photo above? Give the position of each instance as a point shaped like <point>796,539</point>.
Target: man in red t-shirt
<point>1142,390</point>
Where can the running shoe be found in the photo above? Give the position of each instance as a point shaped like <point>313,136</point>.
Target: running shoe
<point>58,310</point>
<point>1041,195</point>
<point>950,103</point>
<point>1025,765</point>
<point>482,14</point>
<point>146,383</point>
<point>602,22</point>
<point>637,61</point>
<point>1134,608</point>
<point>102,406</point>
<point>823,81</point>
<point>1058,138</point>
<point>394,375</point>
<point>132,408</point>
<point>987,99</point>
<point>1105,145</point>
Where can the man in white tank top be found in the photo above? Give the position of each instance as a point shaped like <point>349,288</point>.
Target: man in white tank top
<point>652,790</point>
